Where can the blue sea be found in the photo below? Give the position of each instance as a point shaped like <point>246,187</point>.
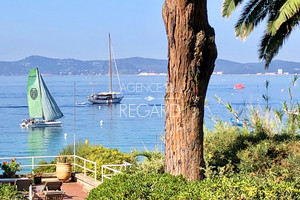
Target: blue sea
<point>136,123</point>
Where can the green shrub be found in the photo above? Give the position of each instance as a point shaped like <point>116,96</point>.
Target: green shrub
<point>153,162</point>
<point>95,153</point>
<point>165,186</point>
<point>8,192</point>
<point>139,186</point>
<point>222,145</point>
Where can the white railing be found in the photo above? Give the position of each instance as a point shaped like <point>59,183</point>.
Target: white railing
<point>85,169</point>
<point>34,165</point>
<point>75,164</point>
<point>115,171</point>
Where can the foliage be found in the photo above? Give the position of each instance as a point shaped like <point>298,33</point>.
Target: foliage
<point>261,160</point>
<point>46,169</point>
<point>154,162</point>
<point>10,167</point>
<point>63,159</point>
<point>282,17</point>
<point>36,173</point>
<point>139,186</point>
<point>8,192</point>
<point>165,186</point>
<point>95,153</point>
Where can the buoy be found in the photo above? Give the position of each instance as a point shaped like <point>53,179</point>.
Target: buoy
<point>281,90</point>
<point>101,122</point>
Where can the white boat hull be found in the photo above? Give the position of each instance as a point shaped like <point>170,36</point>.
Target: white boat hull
<point>40,124</point>
<point>108,101</point>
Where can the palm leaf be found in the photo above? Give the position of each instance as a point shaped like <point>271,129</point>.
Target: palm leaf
<point>289,9</point>
<point>254,12</point>
<point>270,44</point>
<point>229,6</point>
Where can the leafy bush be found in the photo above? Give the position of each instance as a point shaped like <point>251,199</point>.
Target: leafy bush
<point>8,192</point>
<point>10,167</point>
<point>95,153</point>
<point>221,146</point>
<point>139,186</point>
<point>153,162</point>
<point>165,186</point>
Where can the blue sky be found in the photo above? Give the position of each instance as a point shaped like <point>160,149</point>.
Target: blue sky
<point>79,28</point>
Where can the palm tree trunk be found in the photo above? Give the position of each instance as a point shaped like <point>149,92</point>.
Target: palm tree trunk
<point>192,54</point>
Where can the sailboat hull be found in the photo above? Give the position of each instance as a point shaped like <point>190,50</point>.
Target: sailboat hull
<point>95,100</point>
<point>40,124</point>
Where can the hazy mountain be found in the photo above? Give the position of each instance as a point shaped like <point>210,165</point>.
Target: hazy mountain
<point>229,67</point>
<point>135,65</point>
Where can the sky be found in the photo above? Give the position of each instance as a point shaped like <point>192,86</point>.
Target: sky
<point>79,29</point>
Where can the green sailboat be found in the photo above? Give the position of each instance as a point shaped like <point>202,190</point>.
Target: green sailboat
<point>43,109</point>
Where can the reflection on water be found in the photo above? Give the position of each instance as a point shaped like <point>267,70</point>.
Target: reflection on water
<point>115,131</point>
<point>42,140</point>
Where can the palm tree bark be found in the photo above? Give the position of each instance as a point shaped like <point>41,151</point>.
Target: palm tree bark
<point>192,54</point>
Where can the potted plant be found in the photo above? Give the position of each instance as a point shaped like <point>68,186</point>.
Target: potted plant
<point>10,169</point>
<point>63,168</point>
<point>37,176</point>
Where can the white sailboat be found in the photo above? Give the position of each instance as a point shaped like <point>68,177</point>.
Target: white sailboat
<point>43,109</point>
<point>107,97</point>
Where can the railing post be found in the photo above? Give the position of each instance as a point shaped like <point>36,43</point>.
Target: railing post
<point>95,171</point>
<point>84,167</point>
<point>102,173</point>
<point>74,163</point>
<point>32,162</point>
<point>30,192</point>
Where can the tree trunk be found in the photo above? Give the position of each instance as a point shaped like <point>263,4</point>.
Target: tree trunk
<point>192,54</point>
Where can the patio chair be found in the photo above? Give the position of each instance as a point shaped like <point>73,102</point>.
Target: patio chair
<point>53,186</point>
<point>53,191</point>
<point>54,195</point>
<point>23,187</point>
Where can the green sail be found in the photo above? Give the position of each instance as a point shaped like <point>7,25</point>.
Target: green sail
<point>34,95</point>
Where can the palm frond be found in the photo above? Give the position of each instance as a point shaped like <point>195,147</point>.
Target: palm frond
<point>229,6</point>
<point>289,9</point>
<point>254,12</point>
<point>270,44</point>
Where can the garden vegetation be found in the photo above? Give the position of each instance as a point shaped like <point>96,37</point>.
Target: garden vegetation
<point>260,160</point>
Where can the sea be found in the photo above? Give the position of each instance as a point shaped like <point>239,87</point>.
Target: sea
<point>136,123</point>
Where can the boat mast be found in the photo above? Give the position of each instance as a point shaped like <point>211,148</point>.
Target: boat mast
<point>92,73</point>
<point>110,67</point>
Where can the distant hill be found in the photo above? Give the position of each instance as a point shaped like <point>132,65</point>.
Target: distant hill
<point>135,65</point>
<point>229,67</point>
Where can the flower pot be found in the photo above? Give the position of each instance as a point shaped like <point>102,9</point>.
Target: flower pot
<point>63,171</point>
<point>37,180</point>
<point>9,175</point>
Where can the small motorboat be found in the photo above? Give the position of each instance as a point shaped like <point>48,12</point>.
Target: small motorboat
<point>239,86</point>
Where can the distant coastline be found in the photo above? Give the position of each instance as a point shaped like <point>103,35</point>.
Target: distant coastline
<point>135,66</point>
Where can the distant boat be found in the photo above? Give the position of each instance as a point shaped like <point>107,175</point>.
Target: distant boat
<point>43,109</point>
<point>107,97</point>
<point>239,86</point>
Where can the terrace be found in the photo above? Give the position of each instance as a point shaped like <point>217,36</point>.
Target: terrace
<point>83,179</point>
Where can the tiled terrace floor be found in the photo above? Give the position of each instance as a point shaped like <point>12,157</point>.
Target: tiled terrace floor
<point>73,190</point>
